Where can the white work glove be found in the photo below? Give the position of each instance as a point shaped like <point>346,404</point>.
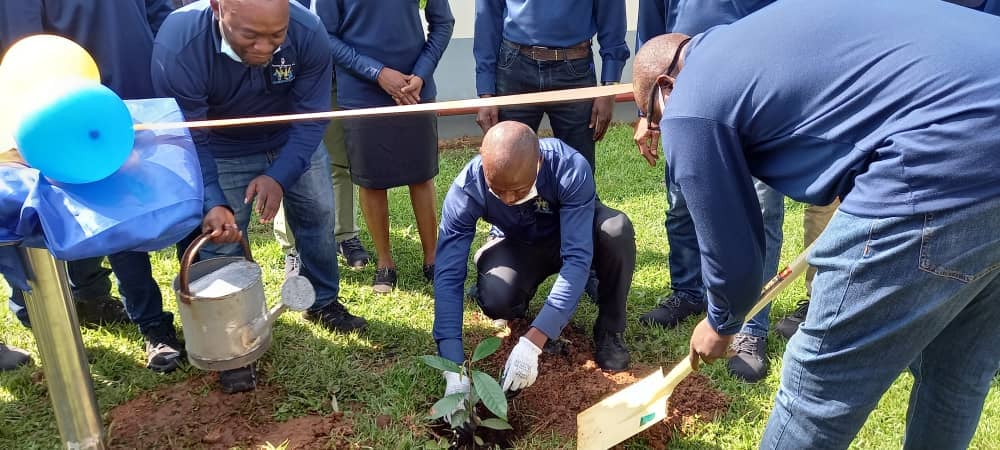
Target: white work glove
<point>522,365</point>
<point>453,384</point>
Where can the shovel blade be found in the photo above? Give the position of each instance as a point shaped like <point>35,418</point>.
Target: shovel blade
<point>623,414</point>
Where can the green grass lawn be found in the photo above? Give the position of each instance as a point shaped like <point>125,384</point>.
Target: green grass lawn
<point>376,371</point>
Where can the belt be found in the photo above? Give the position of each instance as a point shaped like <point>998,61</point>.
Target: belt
<point>539,53</point>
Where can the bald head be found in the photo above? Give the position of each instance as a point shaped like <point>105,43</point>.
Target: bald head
<point>651,61</point>
<point>254,28</point>
<point>510,160</point>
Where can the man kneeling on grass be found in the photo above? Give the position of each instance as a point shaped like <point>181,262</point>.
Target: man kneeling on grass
<point>539,195</point>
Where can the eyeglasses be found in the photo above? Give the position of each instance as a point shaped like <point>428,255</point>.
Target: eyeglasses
<point>658,88</point>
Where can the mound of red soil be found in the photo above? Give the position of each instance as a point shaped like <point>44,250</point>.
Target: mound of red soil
<point>570,382</point>
<point>195,414</point>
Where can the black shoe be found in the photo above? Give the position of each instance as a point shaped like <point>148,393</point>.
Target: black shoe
<point>429,273</point>
<point>385,280</point>
<point>591,287</point>
<point>164,352</point>
<point>609,351</point>
<point>238,380</point>
<point>789,325</point>
<point>354,253</point>
<point>750,362</point>
<point>103,310</point>
<point>12,357</point>
<point>672,311</point>
<point>335,317</point>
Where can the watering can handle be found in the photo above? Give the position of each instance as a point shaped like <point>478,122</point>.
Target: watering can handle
<point>188,259</point>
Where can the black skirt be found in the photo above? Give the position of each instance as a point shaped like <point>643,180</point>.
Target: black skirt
<point>386,152</point>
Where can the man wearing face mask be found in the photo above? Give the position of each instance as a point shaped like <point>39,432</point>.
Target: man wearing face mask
<point>237,58</point>
<point>540,194</point>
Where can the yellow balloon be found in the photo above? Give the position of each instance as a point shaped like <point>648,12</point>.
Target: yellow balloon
<point>34,61</point>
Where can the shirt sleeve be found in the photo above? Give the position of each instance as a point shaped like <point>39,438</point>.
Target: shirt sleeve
<point>441,24</point>
<point>173,77</point>
<point>652,21</point>
<point>486,43</point>
<point>344,55</point>
<point>19,18</point>
<point>310,93</point>
<point>706,159</point>
<point>611,26</point>
<point>156,12</point>
<point>576,230</point>
<point>459,214</point>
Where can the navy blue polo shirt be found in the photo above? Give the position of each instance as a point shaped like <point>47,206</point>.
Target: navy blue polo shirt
<point>118,34</point>
<point>548,23</point>
<point>891,105</point>
<point>658,17</point>
<point>365,39</point>
<point>564,209</point>
<point>188,65</point>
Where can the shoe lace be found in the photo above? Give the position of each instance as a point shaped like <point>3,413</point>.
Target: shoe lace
<point>672,301</point>
<point>801,308</point>
<point>744,343</point>
<point>351,245</point>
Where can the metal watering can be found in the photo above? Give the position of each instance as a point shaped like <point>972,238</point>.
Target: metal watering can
<point>226,321</point>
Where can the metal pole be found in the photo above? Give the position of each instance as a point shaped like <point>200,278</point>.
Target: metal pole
<point>57,334</point>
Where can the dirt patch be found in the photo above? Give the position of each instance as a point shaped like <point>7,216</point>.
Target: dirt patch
<point>570,382</point>
<point>195,414</point>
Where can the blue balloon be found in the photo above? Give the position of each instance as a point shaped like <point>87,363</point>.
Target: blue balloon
<point>80,137</point>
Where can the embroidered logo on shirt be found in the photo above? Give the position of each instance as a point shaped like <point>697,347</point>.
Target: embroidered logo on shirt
<point>542,206</point>
<point>282,72</point>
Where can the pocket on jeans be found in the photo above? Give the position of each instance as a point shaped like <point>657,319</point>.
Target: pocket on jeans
<point>965,249</point>
<point>506,56</point>
<point>583,67</point>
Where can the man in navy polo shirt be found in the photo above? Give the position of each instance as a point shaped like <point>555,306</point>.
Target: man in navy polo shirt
<point>119,35</point>
<point>541,195</point>
<point>687,297</point>
<point>893,106</point>
<point>237,58</point>
<point>525,46</point>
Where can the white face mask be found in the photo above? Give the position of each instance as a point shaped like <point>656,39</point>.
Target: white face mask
<point>527,197</point>
<point>659,97</point>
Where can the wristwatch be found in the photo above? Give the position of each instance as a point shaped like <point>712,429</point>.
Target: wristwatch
<point>609,83</point>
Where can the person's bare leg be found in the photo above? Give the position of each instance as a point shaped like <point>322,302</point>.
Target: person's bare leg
<point>375,208</point>
<point>423,199</point>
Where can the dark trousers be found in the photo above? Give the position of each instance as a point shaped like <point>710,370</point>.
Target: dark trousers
<point>519,74</point>
<point>511,271</point>
<point>91,282</point>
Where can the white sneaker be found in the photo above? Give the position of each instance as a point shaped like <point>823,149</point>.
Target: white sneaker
<point>292,264</point>
<point>500,324</point>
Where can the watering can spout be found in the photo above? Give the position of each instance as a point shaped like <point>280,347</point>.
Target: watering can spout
<point>297,294</point>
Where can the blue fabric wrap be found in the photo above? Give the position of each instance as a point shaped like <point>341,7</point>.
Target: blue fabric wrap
<point>153,201</point>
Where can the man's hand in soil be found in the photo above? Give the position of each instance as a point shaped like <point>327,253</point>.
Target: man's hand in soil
<point>487,116</point>
<point>647,140</point>
<point>453,384</point>
<point>268,195</point>
<point>600,115</point>
<point>221,223</point>
<point>707,345</point>
<point>521,369</point>
<point>392,82</point>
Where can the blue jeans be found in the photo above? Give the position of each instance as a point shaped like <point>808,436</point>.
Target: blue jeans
<point>89,279</point>
<point>685,256</point>
<point>308,212</point>
<point>519,74</point>
<point>919,292</point>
